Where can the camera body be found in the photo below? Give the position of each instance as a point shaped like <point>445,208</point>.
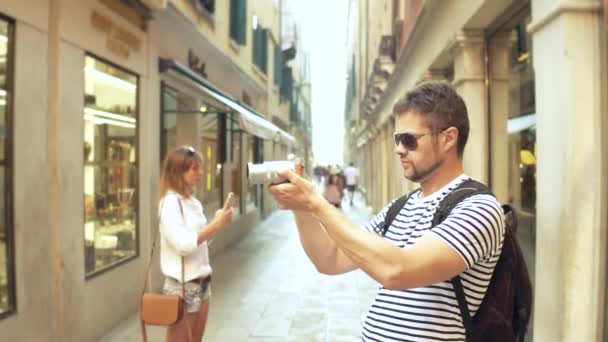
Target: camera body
<point>268,172</point>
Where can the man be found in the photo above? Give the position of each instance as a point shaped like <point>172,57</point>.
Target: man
<point>351,173</point>
<point>413,261</point>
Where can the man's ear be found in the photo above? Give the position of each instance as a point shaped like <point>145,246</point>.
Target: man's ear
<point>450,138</point>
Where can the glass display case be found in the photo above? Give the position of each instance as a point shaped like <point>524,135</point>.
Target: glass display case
<point>110,165</point>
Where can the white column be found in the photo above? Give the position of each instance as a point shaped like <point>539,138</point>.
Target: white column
<point>469,81</point>
<point>382,171</point>
<point>499,60</point>
<point>571,191</point>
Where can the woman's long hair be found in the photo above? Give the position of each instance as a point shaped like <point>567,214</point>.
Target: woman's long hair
<point>178,161</point>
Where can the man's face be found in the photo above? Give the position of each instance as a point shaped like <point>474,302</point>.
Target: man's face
<point>421,161</point>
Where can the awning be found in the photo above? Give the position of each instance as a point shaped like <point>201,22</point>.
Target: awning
<point>249,120</point>
<point>521,123</point>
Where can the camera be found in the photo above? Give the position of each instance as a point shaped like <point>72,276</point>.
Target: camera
<point>268,172</point>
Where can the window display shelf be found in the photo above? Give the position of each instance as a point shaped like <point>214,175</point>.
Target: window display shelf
<point>110,165</point>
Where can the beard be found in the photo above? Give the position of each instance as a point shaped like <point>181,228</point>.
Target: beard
<point>419,175</point>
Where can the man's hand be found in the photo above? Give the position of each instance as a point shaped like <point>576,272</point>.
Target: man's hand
<point>298,194</point>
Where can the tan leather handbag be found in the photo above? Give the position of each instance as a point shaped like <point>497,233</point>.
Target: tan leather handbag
<point>161,309</point>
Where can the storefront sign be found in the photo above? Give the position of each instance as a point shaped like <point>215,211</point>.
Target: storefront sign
<point>118,39</point>
<point>196,64</point>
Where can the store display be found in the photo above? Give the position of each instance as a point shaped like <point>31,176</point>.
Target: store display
<point>110,172</point>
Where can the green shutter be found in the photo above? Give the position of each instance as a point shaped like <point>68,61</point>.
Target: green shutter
<point>238,21</point>
<point>242,17</point>
<point>278,65</point>
<point>255,46</point>
<point>264,50</point>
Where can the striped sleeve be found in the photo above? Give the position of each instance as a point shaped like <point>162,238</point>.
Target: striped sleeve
<point>376,224</point>
<point>474,229</point>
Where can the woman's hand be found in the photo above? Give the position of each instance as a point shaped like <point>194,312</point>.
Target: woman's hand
<point>224,216</point>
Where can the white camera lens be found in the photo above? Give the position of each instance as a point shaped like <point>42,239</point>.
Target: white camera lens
<point>268,172</point>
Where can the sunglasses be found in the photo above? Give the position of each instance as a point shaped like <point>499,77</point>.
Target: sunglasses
<point>189,150</point>
<point>409,141</point>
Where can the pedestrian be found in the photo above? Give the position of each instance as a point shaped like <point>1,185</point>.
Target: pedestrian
<point>184,232</point>
<point>333,191</point>
<point>413,261</point>
<point>351,173</point>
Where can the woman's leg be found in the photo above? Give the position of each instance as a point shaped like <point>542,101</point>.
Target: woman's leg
<point>178,332</point>
<point>200,321</point>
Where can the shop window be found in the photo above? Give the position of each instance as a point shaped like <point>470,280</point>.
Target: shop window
<point>210,190</point>
<point>510,53</point>
<point>181,115</point>
<point>236,170</point>
<point>7,274</point>
<point>251,201</point>
<point>110,165</point>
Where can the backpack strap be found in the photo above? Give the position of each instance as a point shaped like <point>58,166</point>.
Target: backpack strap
<point>466,189</point>
<point>394,210</point>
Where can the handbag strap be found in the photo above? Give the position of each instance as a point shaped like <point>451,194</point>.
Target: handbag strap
<point>143,291</point>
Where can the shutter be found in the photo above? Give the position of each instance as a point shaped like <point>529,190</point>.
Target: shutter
<point>278,65</point>
<point>256,45</point>
<point>238,21</point>
<point>264,50</point>
<point>242,19</point>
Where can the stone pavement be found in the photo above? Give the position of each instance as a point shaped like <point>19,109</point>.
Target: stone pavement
<point>265,289</point>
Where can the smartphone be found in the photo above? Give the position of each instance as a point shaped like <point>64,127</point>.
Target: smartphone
<point>229,200</point>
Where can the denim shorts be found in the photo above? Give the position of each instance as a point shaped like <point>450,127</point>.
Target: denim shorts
<point>196,293</point>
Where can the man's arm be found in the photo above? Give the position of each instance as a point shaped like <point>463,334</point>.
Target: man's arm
<point>429,261</point>
<point>319,247</point>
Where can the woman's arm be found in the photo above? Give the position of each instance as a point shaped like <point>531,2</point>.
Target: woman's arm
<point>222,218</point>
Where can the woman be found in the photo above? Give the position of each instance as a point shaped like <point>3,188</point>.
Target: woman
<point>333,191</point>
<point>184,232</point>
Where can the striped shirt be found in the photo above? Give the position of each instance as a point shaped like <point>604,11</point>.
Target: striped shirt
<point>475,230</point>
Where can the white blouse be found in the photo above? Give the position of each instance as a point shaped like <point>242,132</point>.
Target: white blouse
<point>178,237</point>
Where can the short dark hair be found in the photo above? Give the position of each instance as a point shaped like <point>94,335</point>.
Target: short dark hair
<point>440,105</point>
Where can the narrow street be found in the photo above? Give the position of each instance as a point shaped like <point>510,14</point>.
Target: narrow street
<point>265,289</point>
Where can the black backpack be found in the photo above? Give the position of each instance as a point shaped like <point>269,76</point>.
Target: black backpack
<point>504,314</point>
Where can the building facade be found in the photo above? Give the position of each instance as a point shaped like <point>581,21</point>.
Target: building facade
<point>92,95</point>
<point>533,75</point>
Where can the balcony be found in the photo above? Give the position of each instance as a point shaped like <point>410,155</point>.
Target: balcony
<point>384,66</point>
<point>387,47</point>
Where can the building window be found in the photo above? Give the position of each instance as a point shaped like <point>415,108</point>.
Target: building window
<point>260,48</point>
<point>7,274</point>
<point>238,21</point>
<point>110,165</point>
<point>208,5</point>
